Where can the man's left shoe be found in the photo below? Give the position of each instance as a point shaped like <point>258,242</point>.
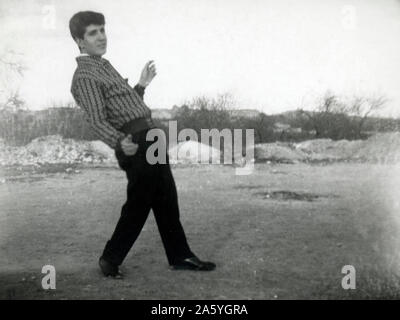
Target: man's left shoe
<point>110,270</point>
<point>194,264</point>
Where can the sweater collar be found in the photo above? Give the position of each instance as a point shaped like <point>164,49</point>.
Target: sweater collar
<point>86,59</point>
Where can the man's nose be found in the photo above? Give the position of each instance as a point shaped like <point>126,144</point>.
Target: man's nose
<point>102,36</point>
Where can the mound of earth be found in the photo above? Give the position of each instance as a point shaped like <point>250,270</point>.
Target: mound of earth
<point>56,149</point>
<point>279,152</point>
<point>329,150</point>
<point>380,148</point>
<point>193,152</point>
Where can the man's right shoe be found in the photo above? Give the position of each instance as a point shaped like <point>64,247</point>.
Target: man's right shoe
<point>109,270</point>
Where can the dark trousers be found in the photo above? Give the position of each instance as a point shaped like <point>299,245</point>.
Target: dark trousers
<point>150,186</point>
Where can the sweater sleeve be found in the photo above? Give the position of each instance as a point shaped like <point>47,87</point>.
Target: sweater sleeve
<point>140,90</point>
<point>90,98</point>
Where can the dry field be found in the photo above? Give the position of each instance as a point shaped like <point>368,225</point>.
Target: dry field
<point>283,232</point>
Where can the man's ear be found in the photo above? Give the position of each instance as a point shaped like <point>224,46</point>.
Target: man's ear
<point>79,43</point>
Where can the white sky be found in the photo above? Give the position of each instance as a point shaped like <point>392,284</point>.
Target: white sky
<point>271,55</point>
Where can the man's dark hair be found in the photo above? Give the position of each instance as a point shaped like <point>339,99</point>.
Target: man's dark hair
<point>82,19</point>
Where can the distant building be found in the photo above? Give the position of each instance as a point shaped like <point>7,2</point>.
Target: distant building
<point>296,130</point>
<point>245,113</point>
<point>279,127</point>
<point>169,114</point>
<point>283,127</point>
<point>162,114</point>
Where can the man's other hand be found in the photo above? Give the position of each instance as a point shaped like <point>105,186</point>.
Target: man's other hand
<point>129,147</point>
<point>148,73</point>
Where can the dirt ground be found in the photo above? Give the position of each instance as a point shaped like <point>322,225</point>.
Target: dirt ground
<point>283,232</point>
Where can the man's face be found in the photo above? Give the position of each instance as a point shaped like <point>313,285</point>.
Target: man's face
<point>94,40</point>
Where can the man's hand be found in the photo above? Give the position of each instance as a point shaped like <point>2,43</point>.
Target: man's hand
<point>129,147</point>
<point>148,73</point>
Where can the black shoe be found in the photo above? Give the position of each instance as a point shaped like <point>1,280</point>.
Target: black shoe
<point>195,264</point>
<point>109,270</point>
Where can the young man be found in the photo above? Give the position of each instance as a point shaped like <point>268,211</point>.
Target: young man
<point>119,116</point>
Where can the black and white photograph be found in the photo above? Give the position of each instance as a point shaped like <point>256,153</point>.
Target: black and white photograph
<point>216,150</point>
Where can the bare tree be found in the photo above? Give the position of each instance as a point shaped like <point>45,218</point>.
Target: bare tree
<point>333,118</point>
<point>323,118</point>
<point>208,112</point>
<point>14,100</point>
<point>12,70</point>
<point>222,102</point>
<point>263,127</point>
<point>361,108</point>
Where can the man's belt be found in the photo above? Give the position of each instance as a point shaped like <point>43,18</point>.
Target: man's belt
<point>137,125</point>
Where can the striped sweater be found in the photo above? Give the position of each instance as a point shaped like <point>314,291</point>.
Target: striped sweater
<point>106,97</point>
